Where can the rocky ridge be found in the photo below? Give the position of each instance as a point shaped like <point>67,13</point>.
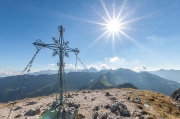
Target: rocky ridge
<point>101,104</point>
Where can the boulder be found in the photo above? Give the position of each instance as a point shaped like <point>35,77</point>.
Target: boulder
<point>104,116</point>
<point>95,115</point>
<point>176,95</point>
<point>31,103</point>
<point>37,111</point>
<point>120,110</point>
<point>137,114</point>
<point>69,113</point>
<point>107,106</point>
<point>17,116</point>
<point>107,94</point>
<point>140,117</point>
<point>74,104</point>
<point>32,112</point>
<point>80,116</point>
<point>17,108</point>
<point>96,108</point>
<point>121,105</point>
<point>54,104</point>
<point>118,117</point>
<point>125,113</point>
<point>137,100</point>
<point>113,108</point>
<point>92,99</point>
<point>149,117</point>
<point>113,98</point>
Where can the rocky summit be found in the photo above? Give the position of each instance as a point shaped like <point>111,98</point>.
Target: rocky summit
<point>114,103</point>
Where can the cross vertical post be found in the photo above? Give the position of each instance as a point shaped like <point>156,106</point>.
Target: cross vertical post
<point>61,66</point>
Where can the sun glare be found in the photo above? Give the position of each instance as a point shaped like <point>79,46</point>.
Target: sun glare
<point>113,26</point>
<point>114,23</point>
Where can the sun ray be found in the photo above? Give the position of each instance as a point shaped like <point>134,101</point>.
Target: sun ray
<point>105,9</point>
<point>100,37</point>
<point>102,17</point>
<point>114,10</point>
<point>122,18</point>
<point>118,35</point>
<point>112,26</point>
<point>136,19</point>
<point>81,19</point>
<point>127,28</point>
<point>127,36</point>
<point>121,9</point>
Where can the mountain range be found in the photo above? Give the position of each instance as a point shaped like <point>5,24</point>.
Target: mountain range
<point>167,74</point>
<point>173,75</point>
<point>47,84</point>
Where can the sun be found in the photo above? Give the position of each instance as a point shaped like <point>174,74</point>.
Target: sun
<point>115,23</point>
<point>113,26</point>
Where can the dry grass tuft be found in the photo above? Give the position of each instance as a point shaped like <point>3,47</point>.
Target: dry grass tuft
<point>161,104</point>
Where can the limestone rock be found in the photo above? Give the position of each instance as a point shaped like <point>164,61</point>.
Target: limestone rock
<point>104,116</point>
<point>108,94</point>
<point>17,108</point>
<point>32,112</point>
<point>17,116</point>
<point>96,108</point>
<point>137,100</point>
<point>176,95</point>
<point>113,98</point>
<point>37,111</point>
<point>118,117</point>
<point>95,115</point>
<point>140,117</point>
<point>107,106</point>
<point>120,109</point>
<point>80,116</point>
<point>31,103</point>
<point>53,104</point>
<point>74,104</point>
<point>113,108</point>
<point>92,99</point>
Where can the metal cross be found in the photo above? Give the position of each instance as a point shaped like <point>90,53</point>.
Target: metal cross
<point>60,48</point>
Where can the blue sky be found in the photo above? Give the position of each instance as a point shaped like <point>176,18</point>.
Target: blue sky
<point>152,27</point>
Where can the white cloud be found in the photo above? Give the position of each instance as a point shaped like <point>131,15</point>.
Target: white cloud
<point>4,73</point>
<point>141,68</point>
<point>97,67</point>
<point>114,59</point>
<point>72,67</point>
<point>51,64</point>
<point>100,67</point>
